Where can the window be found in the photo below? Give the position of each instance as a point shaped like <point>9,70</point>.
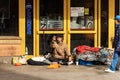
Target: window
<point>9,18</point>
<point>82,14</point>
<point>51,14</point>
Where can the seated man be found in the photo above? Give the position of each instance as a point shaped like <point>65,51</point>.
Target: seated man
<point>60,51</point>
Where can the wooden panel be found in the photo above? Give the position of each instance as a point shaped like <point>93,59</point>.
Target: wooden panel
<point>9,50</point>
<point>10,46</point>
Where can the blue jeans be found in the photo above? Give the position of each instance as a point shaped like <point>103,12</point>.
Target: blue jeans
<point>114,61</point>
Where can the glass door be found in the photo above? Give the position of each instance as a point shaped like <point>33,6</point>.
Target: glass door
<point>81,22</point>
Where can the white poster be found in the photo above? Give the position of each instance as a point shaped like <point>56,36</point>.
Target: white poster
<point>77,11</point>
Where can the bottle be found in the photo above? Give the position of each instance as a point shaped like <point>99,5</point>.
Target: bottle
<point>76,60</point>
<point>26,52</point>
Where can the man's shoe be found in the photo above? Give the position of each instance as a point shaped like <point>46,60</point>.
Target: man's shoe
<point>109,71</point>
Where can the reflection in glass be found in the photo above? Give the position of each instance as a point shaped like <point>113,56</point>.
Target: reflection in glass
<point>82,14</point>
<point>29,27</point>
<point>51,14</point>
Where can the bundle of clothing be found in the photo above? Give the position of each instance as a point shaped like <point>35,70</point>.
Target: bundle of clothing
<point>88,53</point>
<point>38,61</point>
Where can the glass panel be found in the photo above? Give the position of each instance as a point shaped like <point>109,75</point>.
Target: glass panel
<point>104,23</point>
<point>9,18</point>
<point>117,7</point>
<point>29,26</point>
<point>82,39</point>
<point>45,43</point>
<point>51,14</point>
<point>82,14</point>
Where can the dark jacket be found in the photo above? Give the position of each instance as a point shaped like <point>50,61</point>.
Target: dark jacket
<point>117,38</point>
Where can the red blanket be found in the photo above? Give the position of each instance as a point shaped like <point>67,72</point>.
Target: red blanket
<point>84,48</point>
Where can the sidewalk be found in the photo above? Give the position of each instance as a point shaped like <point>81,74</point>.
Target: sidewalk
<point>72,72</point>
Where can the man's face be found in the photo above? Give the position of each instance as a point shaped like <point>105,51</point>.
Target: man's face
<point>59,39</point>
<point>115,21</point>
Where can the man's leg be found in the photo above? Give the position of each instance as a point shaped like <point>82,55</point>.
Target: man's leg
<point>118,64</point>
<point>52,59</point>
<point>114,61</point>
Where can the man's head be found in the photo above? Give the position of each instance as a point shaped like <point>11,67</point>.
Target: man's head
<point>59,38</point>
<point>117,19</point>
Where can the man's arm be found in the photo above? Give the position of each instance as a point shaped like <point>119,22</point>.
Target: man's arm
<point>68,53</point>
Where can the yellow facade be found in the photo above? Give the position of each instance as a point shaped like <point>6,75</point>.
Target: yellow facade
<point>22,24</point>
<point>66,29</point>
